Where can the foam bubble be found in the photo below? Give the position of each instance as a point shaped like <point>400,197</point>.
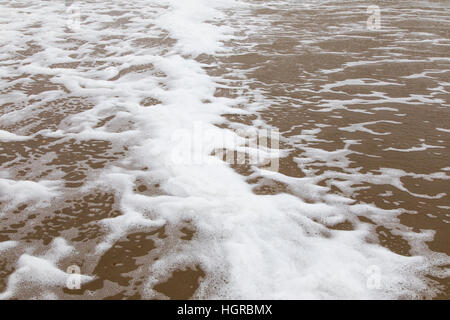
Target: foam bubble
<point>250,246</point>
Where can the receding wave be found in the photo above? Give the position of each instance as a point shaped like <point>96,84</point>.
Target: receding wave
<point>224,149</point>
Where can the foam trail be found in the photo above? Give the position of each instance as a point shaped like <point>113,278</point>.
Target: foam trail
<point>269,245</point>
<point>251,246</point>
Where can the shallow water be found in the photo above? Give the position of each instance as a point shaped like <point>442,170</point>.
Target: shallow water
<point>112,115</point>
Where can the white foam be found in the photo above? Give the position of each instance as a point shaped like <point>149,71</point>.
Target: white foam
<point>6,136</point>
<point>250,246</point>
<point>40,275</point>
<point>5,245</point>
<point>422,147</point>
<point>361,127</point>
<point>18,192</point>
<point>186,22</point>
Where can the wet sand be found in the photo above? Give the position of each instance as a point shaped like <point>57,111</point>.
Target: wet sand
<point>362,114</point>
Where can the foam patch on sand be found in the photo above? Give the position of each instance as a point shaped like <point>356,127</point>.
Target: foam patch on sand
<point>39,193</point>
<point>250,246</point>
<point>39,275</point>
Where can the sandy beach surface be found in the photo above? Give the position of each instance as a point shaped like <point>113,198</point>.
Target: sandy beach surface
<point>117,117</point>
